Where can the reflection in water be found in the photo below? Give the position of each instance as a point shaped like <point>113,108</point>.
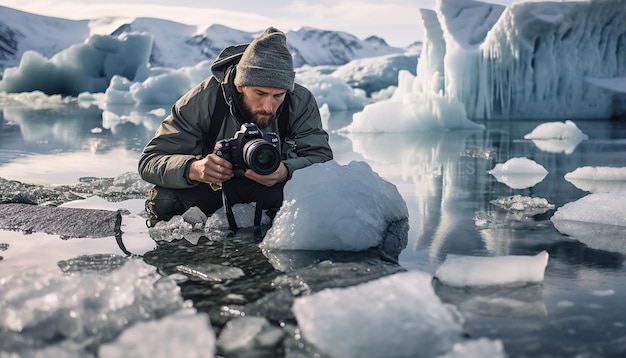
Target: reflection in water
<point>515,302</point>
<point>454,195</point>
<point>74,127</point>
<point>440,170</point>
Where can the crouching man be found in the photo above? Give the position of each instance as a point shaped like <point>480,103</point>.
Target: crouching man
<point>216,146</point>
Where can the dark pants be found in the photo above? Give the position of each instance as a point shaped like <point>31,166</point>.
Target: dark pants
<point>163,203</point>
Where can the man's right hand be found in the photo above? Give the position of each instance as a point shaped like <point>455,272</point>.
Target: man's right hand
<point>211,169</point>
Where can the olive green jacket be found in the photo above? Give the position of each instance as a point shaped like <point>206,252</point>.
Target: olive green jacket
<point>179,140</point>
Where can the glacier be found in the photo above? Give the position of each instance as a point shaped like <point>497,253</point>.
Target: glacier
<point>529,60</point>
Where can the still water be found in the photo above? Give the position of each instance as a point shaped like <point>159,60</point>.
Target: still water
<point>580,309</point>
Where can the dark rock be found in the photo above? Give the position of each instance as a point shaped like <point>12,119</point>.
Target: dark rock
<point>66,222</point>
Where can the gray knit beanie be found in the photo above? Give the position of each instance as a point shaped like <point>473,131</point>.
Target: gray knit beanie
<point>267,62</point>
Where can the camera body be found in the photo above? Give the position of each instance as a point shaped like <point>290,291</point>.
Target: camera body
<point>251,148</point>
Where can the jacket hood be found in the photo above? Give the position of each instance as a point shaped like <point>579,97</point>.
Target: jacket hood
<point>229,56</point>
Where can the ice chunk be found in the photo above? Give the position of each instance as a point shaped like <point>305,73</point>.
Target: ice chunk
<point>600,208</point>
<point>489,271</point>
<point>349,322</point>
<point>243,213</point>
<point>597,220</point>
<point>598,179</point>
<point>557,137</point>
<point>194,216</point>
<point>517,203</point>
<point>211,272</point>
<point>557,130</point>
<point>241,335</point>
<point>335,207</point>
<point>477,348</point>
<point>519,173</point>
<point>185,331</point>
<point>81,309</point>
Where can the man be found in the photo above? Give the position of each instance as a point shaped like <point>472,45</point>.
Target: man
<point>251,83</point>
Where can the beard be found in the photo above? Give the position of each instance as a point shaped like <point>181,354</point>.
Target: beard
<point>261,118</point>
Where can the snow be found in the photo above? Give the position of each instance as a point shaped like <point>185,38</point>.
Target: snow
<point>476,271</point>
<point>519,173</point>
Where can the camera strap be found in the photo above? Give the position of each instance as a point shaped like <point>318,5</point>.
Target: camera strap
<point>258,212</point>
<point>217,118</point>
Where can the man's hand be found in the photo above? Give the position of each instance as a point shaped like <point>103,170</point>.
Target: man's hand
<point>211,169</point>
<point>279,176</point>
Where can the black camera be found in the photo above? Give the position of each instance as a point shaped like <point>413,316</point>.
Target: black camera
<point>251,148</point>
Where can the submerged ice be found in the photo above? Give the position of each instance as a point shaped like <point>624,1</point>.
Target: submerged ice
<point>421,323</point>
<point>81,310</point>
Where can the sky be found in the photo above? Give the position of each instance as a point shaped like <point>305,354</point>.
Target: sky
<point>396,21</point>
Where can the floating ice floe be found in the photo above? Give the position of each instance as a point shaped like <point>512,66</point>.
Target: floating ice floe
<point>519,173</point>
<point>462,271</point>
<point>346,322</point>
<point>557,130</point>
<point>518,203</point>
<point>598,179</point>
<point>597,220</point>
<point>557,137</point>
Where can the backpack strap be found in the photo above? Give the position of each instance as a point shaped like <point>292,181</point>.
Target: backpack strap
<point>283,119</point>
<point>217,118</point>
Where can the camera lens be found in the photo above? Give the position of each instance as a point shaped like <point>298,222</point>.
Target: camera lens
<point>261,156</point>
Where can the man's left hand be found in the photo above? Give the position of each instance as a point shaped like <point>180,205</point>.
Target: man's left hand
<point>279,176</point>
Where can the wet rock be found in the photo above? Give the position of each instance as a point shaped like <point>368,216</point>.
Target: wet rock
<point>66,222</point>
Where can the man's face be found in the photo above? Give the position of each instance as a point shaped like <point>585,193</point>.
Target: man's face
<point>261,103</point>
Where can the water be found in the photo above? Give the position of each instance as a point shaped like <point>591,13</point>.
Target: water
<point>580,309</point>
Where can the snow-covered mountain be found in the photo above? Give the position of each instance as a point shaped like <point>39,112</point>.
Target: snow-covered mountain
<point>174,44</point>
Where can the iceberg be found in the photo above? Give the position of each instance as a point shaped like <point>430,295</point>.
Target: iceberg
<point>527,60</point>
<point>86,67</point>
